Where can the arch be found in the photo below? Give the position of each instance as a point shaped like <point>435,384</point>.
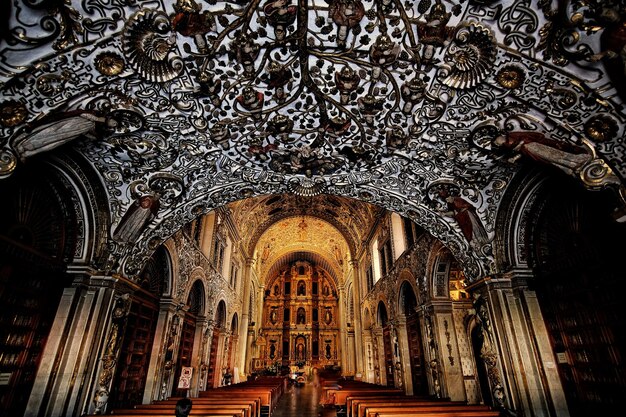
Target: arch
<point>156,275</point>
<point>407,300</point>
<point>577,272</point>
<point>513,218</point>
<point>440,274</point>
<point>196,298</point>
<point>220,315</point>
<point>234,324</point>
<point>382,318</point>
<point>367,319</point>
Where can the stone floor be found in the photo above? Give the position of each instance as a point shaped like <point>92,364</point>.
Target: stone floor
<point>302,402</point>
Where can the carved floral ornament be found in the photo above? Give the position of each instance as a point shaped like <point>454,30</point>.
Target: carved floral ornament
<point>371,99</point>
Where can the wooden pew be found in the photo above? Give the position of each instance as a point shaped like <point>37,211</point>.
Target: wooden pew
<point>268,390</point>
<point>149,410</point>
<point>440,414</point>
<point>354,403</point>
<point>253,403</point>
<point>340,396</point>
<point>415,409</point>
<point>171,414</point>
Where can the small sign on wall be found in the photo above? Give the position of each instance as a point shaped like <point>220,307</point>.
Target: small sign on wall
<point>184,382</point>
<point>561,357</point>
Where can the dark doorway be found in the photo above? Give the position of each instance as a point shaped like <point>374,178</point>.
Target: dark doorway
<point>579,260</point>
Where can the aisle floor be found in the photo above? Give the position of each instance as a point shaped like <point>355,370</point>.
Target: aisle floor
<point>302,402</point>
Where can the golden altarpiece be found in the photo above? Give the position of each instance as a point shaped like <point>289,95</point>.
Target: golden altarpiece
<point>300,321</point>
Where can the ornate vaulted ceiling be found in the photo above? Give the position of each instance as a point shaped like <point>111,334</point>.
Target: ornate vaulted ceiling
<point>397,103</point>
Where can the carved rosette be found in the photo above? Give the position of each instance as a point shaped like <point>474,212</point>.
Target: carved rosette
<point>148,41</point>
<point>471,56</point>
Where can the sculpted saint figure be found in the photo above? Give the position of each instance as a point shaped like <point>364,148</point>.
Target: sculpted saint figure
<point>51,133</point>
<point>137,218</point>
<point>567,157</point>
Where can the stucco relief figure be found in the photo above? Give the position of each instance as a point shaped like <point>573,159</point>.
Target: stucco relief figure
<point>346,14</point>
<point>383,52</point>
<point>139,214</point>
<point>48,134</point>
<point>466,217</point>
<point>534,145</point>
<point>280,14</point>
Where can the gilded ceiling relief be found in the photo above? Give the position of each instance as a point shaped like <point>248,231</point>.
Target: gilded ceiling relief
<point>301,233</point>
<point>202,103</point>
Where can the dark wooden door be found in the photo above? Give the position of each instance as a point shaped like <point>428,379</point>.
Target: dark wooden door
<point>184,351</point>
<point>130,379</point>
<point>580,264</point>
<point>389,365</point>
<point>211,373</point>
<point>416,355</point>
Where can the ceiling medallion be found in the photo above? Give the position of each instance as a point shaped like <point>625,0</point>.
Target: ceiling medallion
<point>148,42</point>
<point>471,56</point>
<point>109,63</point>
<point>511,77</point>
<point>12,113</point>
<point>8,161</point>
<point>601,128</point>
<point>307,187</point>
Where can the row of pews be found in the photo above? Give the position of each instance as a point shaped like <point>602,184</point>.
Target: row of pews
<point>362,399</point>
<point>256,398</point>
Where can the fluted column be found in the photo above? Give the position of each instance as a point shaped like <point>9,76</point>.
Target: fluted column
<point>358,324</point>
<point>517,352</point>
<point>343,337</point>
<point>164,351</point>
<point>404,353</point>
<point>76,366</point>
<point>245,320</point>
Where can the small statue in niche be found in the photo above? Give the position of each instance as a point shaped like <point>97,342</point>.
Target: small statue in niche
<point>276,290</point>
<point>301,316</point>
<point>300,352</point>
<point>301,288</point>
<point>328,316</point>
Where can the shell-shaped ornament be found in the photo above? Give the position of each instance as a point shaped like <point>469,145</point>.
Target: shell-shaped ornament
<point>148,41</point>
<point>470,57</point>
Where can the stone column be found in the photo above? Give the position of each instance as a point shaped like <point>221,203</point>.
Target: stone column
<point>162,353</point>
<point>518,355</point>
<point>378,348</point>
<point>243,351</point>
<point>341,322</point>
<point>199,349</point>
<point>449,360</point>
<point>76,365</point>
<point>404,360</point>
<point>431,352</point>
<point>359,351</point>
<point>207,336</point>
<point>368,371</point>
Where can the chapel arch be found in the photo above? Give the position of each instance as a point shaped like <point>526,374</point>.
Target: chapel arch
<point>408,307</point>
<point>193,312</point>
